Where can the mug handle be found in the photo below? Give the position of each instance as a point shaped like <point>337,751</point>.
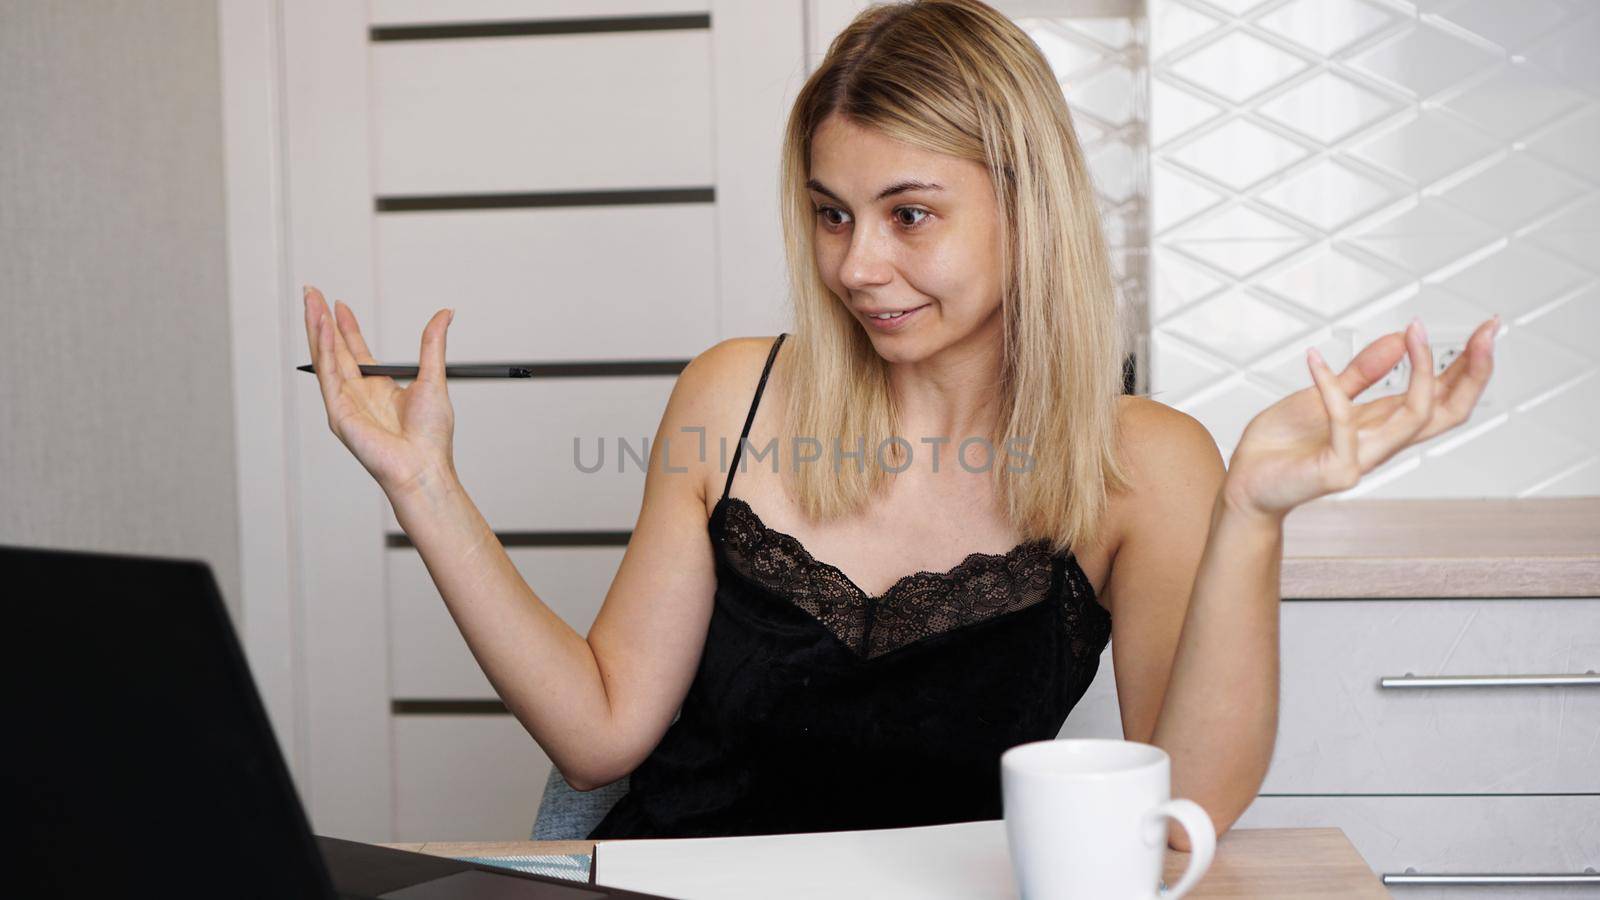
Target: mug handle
<point>1202,837</point>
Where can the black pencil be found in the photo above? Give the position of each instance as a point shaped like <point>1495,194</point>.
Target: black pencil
<point>462,371</point>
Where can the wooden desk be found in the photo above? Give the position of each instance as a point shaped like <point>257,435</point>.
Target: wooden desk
<point>1279,863</point>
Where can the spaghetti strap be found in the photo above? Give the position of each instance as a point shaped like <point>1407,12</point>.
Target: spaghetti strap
<point>751,416</point>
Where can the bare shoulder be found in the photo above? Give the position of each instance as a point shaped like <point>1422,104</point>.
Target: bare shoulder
<point>723,377</point>
<point>1166,453</point>
<point>714,391</point>
<point>1155,436</point>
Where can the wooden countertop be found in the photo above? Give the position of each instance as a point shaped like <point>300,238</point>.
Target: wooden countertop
<point>1278,863</point>
<point>1546,547</point>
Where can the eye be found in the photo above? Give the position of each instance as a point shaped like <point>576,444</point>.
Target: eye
<point>913,209</point>
<point>823,212</point>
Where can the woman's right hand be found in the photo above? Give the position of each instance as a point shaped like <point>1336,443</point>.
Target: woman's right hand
<point>401,435</point>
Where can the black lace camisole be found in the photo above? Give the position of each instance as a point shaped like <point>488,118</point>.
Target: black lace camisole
<point>818,708</point>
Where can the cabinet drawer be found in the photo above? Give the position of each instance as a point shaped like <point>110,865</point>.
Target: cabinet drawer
<point>1341,731</point>
<point>415,12</point>
<point>1456,836</point>
<point>524,287</point>
<point>527,449</point>
<point>428,657</point>
<point>466,778</point>
<point>563,112</point>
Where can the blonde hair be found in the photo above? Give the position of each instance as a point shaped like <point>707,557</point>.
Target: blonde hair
<point>958,78</point>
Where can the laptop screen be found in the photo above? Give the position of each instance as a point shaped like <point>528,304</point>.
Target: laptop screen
<point>138,753</point>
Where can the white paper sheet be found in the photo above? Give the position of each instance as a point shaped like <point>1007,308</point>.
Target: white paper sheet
<point>965,860</point>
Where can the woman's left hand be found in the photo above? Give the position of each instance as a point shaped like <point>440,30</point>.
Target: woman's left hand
<point>1316,441</point>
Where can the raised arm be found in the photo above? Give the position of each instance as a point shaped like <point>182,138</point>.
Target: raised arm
<point>597,706</point>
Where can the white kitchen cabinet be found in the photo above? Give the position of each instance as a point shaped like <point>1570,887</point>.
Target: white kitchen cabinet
<point>1472,839</point>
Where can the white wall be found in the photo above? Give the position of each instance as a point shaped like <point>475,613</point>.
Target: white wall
<point>1321,172</point>
<point>116,408</point>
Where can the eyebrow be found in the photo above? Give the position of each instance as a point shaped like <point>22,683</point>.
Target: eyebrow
<point>898,187</point>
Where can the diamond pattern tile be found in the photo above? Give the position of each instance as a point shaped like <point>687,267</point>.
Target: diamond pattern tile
<point>1326,26</point>
<point>1510,25</point>
<point>1066,54</point>
<point>1582,480</point>
<point>1237,66</point>
<point>1571,410</point>
<point>1513,191</point>
<point>1108,95</point>
<point>1100,63</point>
<point>1236,7</point>
<point>1239,153</point>
<point>1514,102</point>
<point>1327,107</point>
<point>1323,170</point>
<point>1516,279</point>
<point>1572,143</point>
<point>1176,283</point>
<point>1235,326</point>
<point>1173,25</point>
<point>1238,240</point>
<point>1426,148</point>
<point>1425,60</point>
<point>1482,466</point>
<point>1573,322</point>
<point>1174,111</point>
<point>1110,33</point>
<point>1330,283</point>
<point>1175,196</point>
<point>1569,50</point>
<point>1328,195</point>
<point>1115,168</point>
<point>1426,237</point>
<point>1225,414</point>
<point>1576,233</point>
<point>1179,368</point>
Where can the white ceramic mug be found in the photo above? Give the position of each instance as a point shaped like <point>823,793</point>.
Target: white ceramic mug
<point>1086,819</point>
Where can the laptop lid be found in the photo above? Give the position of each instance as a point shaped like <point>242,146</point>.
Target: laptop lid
<point>138,751</point>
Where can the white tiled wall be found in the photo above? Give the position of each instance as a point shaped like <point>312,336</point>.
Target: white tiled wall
<point>1323,170</point>
<point>1099,60</point>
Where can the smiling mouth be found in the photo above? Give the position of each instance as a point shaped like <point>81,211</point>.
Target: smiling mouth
<point>889,317</point>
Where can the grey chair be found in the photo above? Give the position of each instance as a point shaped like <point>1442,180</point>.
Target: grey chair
<point>569,815</point>
<point>566,814</point>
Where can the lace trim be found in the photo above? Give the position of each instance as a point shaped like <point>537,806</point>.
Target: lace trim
<point>917,606</point>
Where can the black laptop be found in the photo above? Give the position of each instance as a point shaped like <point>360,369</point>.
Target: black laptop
<point>139,761</point>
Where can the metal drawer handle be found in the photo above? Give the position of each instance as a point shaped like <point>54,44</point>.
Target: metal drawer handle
<point>1587,876</point>
<point>1408,680</point>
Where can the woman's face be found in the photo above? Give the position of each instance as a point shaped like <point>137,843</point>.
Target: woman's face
<point>901,228</point>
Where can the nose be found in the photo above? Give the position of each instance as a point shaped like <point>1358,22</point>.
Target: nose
<point>866,262</point>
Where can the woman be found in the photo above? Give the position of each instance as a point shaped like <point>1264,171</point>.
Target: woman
<point>951,291</point>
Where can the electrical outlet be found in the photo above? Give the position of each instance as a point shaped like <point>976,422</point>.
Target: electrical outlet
<point>1444,353</point>
<point>1447,347</point>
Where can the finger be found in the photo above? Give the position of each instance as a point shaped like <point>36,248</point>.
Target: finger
<point>1403,426</point>
<point>311,324</point>
<point>1342,445</point>
<point>328,377</point>
<point>316,307</point>
<point>430,360</point>
<point>352,333</point>
<point>343,358</point>
<point>1462,384</point>
<point>1480,342</point>
<point>1375,360</point>
<point>351,330</point>
<point>314,310</point>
